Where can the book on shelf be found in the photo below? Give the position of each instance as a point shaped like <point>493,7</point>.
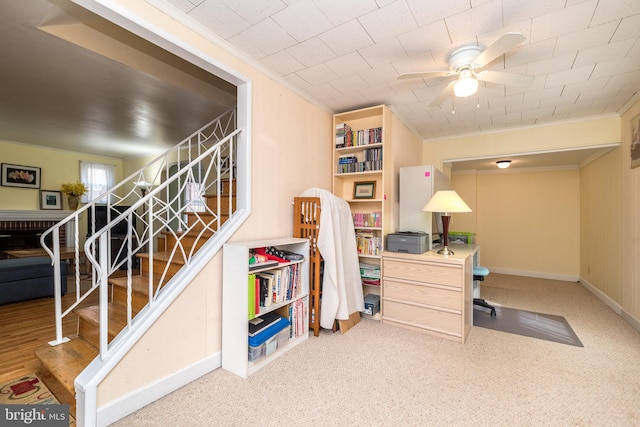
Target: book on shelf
<point>262,322</point>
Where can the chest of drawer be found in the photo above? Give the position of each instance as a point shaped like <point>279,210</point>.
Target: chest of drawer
<point>423,317</point>
<point>419,293</point>
<point>440,274</point>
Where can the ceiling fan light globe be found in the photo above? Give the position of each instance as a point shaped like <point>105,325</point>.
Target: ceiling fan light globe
<point>465,86</point>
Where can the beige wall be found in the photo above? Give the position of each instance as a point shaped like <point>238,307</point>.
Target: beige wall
<point>57,167</point>
<point>630,223</point>
<point>601,224</point>
<point>526,222</point>
<point>291,151</point>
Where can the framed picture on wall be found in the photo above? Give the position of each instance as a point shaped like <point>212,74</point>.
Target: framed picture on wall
<point>364,190</point>
<point>635,142</point>
<point>20,176</point>
<point>50,199</point>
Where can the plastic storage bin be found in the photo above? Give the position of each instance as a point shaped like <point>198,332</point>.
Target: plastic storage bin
<point>269,340</point>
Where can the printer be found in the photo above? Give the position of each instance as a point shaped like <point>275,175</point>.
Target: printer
<point>412,242</point>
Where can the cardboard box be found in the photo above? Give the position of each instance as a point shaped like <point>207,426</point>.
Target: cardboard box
<point>371,304</point>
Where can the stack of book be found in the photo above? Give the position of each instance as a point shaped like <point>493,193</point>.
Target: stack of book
<point>369,136</point>
<point>273,286</point>
<point>368,243</point>
<point>344,135</point>
<point>372,220</point>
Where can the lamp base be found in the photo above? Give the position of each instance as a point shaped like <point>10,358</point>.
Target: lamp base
<point>445,251</point>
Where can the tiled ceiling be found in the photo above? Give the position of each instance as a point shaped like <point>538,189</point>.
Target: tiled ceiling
<point>584,55</point>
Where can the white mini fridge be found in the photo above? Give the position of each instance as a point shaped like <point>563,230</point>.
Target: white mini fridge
<point>417,185</point>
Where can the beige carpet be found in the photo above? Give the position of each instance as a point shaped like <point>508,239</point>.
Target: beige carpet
<point>382,375</point>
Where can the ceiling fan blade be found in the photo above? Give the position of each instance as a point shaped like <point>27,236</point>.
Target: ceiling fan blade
<point>497,48</point>
<point>446,92</point>
<point>508,79</point>
<point>424,75</point>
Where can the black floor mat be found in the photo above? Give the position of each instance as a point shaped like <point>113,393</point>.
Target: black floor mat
<point>527,323</point>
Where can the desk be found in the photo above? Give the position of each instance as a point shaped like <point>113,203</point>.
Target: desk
<point>430,292</point>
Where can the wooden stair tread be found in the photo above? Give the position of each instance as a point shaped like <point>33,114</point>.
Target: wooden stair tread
<point>117,317</point>
<point>139,283</point>
<point>164,256</point>
<point>192,233</point>
<point>65,361</point>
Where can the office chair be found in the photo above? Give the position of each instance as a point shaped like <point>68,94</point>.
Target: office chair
<point>479,273</point>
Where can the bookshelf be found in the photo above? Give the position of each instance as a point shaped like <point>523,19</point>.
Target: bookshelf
<point>361,176</point>
<point>237,305</point>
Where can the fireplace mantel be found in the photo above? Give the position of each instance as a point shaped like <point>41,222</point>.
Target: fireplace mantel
<point>44,215</point>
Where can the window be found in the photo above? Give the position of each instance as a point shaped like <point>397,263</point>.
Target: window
<point>98,178</point>
<point>193,200</point>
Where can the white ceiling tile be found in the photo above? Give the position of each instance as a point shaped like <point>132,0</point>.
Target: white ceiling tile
<point>517,10</point>
<point>340,11</point>
<point>347,38</point>
<point>254,11</point>
<point>628,28</point>
<point>594,36</point>
<point>311,52</point>
<point>282,63</point>
<point>551,65</point>
<point>587,86</point>
<point>613,10</point>
<point>383,53</point>
<point>381,74</point>
<point>560,100</point>
<point>303,20</point>
<point>348,84</point>
<point>538,113</point>
<point>574,75</point>
<point>389,21</point>
<point>466,25</point>
<point>423,39</point>
<point>428,11</point>
<point>619,66</point>
<point>563,21</point>
<point>603,53</point>
<point>214,14</point>
<point>530,53</point>
<point>266,36</point>
<point>317,74</point>
<point>348,64</point>
<point>182,5</point>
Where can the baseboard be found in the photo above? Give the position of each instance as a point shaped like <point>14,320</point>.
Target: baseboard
<point>602,296</point>
<point>128,404</point>
<point>536,274</point>
<point>617,308</point>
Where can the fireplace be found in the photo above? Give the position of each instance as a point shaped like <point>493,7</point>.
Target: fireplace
<point>23,229</point>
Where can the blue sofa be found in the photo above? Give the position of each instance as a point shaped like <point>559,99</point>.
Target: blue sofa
<point>23,279</point>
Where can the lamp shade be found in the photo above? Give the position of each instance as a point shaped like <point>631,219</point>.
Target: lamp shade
<point>466,85</point>
<point>446,201</point>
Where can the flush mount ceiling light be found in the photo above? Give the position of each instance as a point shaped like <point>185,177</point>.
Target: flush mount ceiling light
<point>503,164</point>
<point>466,85</point>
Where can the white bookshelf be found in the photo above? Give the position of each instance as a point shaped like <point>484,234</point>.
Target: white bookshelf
<point>235,297</point>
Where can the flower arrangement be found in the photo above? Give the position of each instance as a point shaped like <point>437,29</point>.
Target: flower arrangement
<point>74,189</point>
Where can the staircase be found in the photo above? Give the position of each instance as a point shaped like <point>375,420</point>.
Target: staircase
<point>129,274</point>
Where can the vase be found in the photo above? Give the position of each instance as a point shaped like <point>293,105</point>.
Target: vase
<point>74,201</point>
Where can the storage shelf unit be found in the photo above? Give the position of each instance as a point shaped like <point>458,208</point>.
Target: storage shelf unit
<point>235,302</point>
<point>361,122</point>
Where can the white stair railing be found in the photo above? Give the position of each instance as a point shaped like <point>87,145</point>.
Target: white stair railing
<point>150,205</point>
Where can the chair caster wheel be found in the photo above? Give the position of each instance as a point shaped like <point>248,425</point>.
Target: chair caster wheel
<point>493,312</point>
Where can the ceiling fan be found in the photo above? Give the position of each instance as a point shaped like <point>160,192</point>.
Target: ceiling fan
<point>467,62</point>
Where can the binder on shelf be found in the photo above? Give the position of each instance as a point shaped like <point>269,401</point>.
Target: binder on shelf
<point>258,324</point>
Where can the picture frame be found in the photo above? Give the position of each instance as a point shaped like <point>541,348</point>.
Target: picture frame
<point>20,176</point>
<point>635,142</point>
<point>50,199</point>
<point>364,190</point>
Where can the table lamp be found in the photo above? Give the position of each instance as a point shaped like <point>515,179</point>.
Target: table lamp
<point>446,202</point>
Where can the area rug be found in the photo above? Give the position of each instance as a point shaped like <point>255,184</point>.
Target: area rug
<point>26,390</point>
<point>527,323</point>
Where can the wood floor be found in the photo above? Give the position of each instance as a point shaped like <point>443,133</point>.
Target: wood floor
<point>25,326</point>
